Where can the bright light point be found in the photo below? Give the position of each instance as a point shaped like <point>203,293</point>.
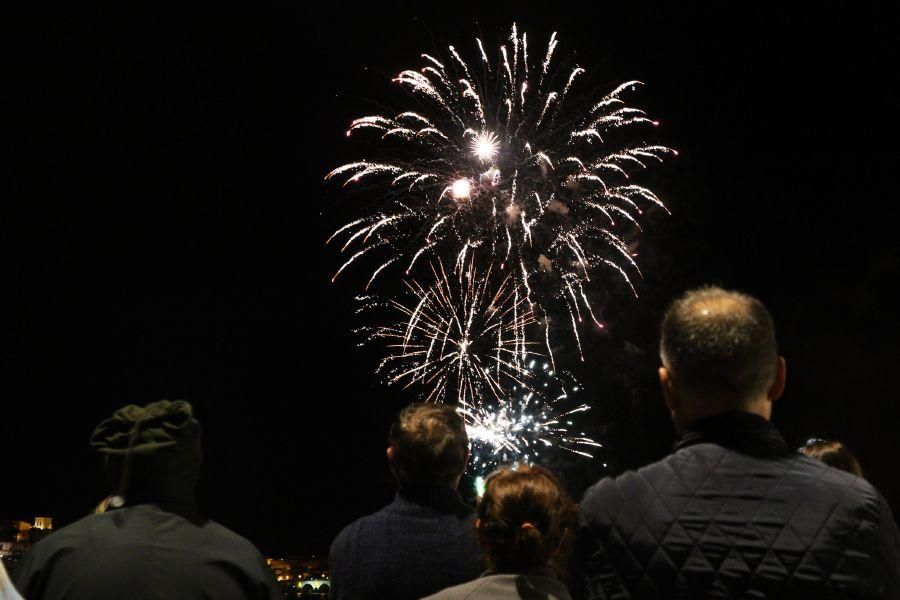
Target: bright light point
<point>479,485</point>
<point>461,189</point>
<point>485,146</point>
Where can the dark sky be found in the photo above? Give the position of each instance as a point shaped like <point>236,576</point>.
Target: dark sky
<point>163,236</point>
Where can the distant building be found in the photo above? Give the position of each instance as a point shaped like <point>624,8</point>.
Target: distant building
<point>16,537</point>
<point>313,586</point>
<point>297,568</point>
<point>281,568</point>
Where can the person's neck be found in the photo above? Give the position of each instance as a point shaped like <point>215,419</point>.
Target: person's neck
<point>699,410</point>
<point>743,431</point>
<point>182,502</point>
<point>439,496</point>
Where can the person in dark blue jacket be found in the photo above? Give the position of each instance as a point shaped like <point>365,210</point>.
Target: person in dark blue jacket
<point>424,541</point>
<point>732,512</point>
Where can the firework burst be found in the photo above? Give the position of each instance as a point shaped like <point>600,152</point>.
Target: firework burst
<point>463,336</point>
<point>504,197</point>
<point>529,422</point>
<point>506,154</point>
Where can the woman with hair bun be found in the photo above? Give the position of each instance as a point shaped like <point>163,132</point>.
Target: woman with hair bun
<point>524,527</point>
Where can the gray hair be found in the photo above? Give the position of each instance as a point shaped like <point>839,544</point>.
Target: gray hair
<point>719,343</point>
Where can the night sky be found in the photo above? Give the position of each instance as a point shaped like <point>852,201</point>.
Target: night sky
<point>163,237</point>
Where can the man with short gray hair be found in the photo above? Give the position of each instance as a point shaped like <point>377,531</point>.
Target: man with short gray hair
<point>732,512</point>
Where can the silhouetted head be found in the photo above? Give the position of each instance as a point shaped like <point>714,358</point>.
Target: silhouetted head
<point>719,354</point>
<point>834,454</point>
<point>525,519</point>
<point>428,446</point>
<point>151,453</point>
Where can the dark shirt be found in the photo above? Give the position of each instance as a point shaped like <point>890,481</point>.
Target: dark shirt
<point>734,513</point>
<point>424,541</point>
<point>144,552</point>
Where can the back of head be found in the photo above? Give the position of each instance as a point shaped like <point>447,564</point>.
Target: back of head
<point>525,519</point>
<point>152,452</point>
<point>429,446</point>
<point>834,454</point>
<point>720,346</point>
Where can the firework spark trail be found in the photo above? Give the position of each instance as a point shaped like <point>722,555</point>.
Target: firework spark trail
<point>511,170</point>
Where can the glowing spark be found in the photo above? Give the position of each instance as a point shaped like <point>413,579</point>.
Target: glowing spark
<point>485,146</point>
<point>461,189</point>
<point>484,57</point>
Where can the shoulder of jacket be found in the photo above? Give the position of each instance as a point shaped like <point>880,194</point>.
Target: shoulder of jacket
<point>352,530</point>
<point>235,541</point>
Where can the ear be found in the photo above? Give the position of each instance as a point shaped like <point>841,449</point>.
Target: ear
<point>390,454</point>
<point>777,387</point>
<point>665,384</point>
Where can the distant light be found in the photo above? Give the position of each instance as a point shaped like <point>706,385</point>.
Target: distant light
<point>461,189</point>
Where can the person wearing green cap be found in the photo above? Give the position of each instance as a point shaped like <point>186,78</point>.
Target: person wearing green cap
<point>147,539</point>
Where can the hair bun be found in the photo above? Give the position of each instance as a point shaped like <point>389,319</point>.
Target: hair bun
<point>523,515</point>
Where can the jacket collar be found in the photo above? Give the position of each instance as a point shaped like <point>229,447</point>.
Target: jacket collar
<point>743,432</point>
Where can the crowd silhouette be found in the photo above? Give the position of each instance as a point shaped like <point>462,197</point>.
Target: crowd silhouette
<point>731,512</point>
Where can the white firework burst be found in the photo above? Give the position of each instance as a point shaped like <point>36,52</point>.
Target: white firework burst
<point>511,155</point>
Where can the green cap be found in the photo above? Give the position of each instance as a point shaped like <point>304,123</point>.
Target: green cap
<point>144,430</point>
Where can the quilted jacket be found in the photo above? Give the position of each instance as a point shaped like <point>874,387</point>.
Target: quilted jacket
<point>733,513</point>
